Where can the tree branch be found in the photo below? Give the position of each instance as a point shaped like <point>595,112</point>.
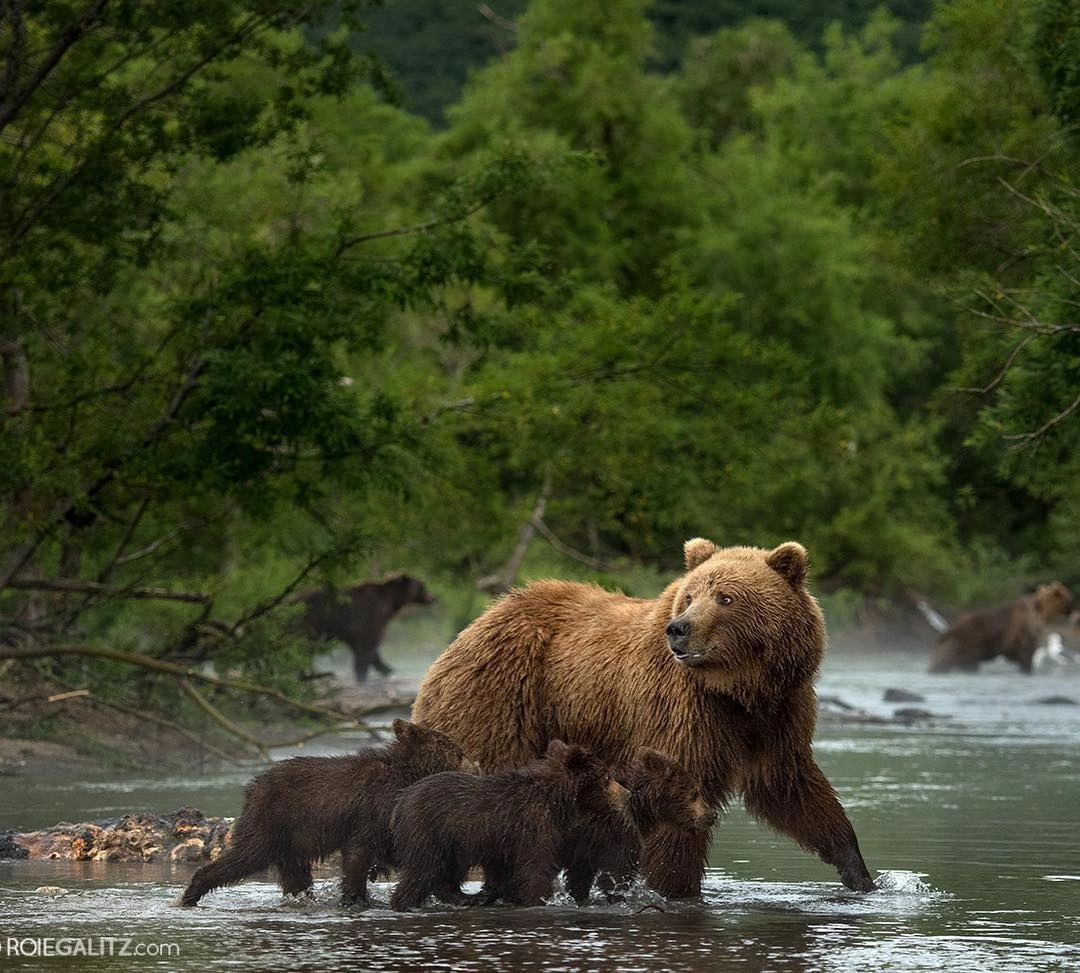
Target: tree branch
<point>169,668</point>
<point>503,581</point>
<point>349,242</point>
<point>220,718</point>
<point>1022,439</point>
<point>96,588</point>
<point>10,108</point>
<point>565,549</point>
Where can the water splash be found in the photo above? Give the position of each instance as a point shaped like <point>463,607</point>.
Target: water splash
<point>905,883</point>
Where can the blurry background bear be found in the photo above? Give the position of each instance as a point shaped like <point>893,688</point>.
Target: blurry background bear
<point>1016,630</point>
<point>358,615</point>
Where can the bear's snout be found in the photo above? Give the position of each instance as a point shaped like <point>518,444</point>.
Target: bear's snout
<point>704,815</point>
<point>678,634</point>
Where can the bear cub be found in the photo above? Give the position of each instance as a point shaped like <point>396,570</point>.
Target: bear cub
<point>665,809</point>
<point>305,808</point>
<point>512,824</point>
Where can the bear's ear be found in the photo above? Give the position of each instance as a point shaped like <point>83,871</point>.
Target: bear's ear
<point>789,560</point>
<point>652,762</point>
<point>697,551</point>
<point>576,759</point>
<point>573,757</point>
<point>556,748</point>
<point>402,728</point>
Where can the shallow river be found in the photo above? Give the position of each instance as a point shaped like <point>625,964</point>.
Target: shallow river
<point>969,822</point>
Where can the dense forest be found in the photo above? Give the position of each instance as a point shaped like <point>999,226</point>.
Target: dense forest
<point>264,326</point>
<point>431,46</point>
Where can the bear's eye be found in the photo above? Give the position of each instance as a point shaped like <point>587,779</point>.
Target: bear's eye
<point>724,599</point>
<point>687,598</point>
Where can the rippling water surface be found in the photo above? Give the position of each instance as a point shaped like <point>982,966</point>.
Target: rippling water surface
<point>968,820</point>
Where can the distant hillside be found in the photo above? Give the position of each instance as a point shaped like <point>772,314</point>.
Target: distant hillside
<point>431,45</point>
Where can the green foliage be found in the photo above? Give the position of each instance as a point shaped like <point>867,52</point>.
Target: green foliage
<point>576,81</point>
<point>1056,51</point>
<point>434,46</point>
<point>721,73</point>
<point>261,329</point>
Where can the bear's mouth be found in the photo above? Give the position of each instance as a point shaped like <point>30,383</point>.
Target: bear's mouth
<point>679,641</point>
<point>684,656</point>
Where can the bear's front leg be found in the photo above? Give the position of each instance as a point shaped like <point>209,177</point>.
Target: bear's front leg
<point>356,863</point>
<point>801,803</point>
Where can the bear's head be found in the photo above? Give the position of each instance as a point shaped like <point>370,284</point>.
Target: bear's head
<point>419,751</point>
<point>589,779</point>
<point>742,620</point>
<point>1053,599</point>
<point>663,793</point>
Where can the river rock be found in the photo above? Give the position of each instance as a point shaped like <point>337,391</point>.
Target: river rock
<point>185,835</point>
<point>902,696</point>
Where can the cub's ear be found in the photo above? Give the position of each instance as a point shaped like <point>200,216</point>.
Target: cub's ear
<point>789,560</point>
<point>652,762</point>
<point>577,759</point>
<point>402,728</point>
<point>697,551</point>
<point>572,756</point>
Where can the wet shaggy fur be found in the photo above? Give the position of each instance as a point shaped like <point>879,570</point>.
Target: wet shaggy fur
<point>358,615</point>
<point>1014,630</point>
<point>511,824</point>
<point>607,848</point>
<point>717,673</point>
<point>303,809</point>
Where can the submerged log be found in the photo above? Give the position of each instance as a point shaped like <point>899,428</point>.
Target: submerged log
<point>185,835</point>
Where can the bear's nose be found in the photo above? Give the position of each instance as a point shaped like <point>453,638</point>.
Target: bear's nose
<point>678,631</point>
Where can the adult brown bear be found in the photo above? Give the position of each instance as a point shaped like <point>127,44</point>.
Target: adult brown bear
<point>716,673</point>
<point>1014,630</point>
<point>358,615</point>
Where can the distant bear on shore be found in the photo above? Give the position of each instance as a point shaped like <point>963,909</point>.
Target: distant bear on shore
<point>717,673</point>
<point>305,808</point>
<point>512,824</point>
<point>1014,630</point>
<point>358,615</point>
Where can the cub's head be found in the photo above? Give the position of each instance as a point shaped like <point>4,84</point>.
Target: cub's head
<point>743,621</point>
<point>418,751</point>
<point>663,793</point>
<point>591,781</point>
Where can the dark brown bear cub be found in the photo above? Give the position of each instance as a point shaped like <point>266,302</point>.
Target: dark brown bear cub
<point>305,808</point>
<point>512,824</point>
<point>665,809</point>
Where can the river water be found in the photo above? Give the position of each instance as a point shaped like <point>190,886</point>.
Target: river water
<point>969,821</point>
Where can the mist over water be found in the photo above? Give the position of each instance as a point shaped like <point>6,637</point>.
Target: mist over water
<point>968,819</point>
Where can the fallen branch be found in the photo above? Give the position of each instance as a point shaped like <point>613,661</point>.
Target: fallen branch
<point>47,698</point>
<point>165,724</point>
<point>221,719</point>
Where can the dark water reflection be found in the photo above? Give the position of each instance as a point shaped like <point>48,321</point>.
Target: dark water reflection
<point>969,822</point>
